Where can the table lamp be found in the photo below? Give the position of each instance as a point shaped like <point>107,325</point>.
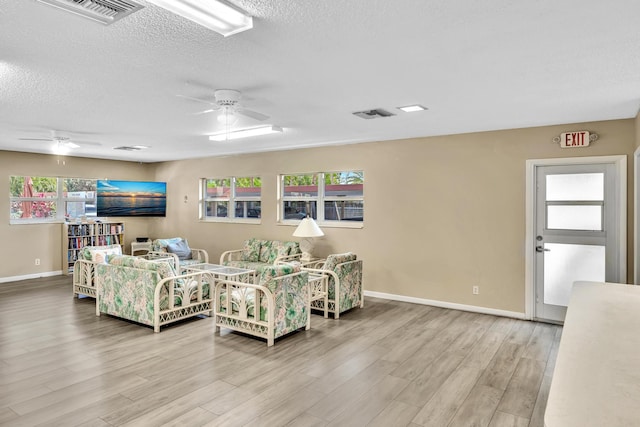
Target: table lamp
<point>307,229</point>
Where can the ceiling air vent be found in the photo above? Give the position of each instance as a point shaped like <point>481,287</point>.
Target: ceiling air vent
<point>373,114</point>
<point>104,11</point>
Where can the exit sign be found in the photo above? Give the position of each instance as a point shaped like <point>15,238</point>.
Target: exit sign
<point>574,139</point>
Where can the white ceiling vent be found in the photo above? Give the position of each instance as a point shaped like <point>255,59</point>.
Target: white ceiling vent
<point>373,114</point>
<point>104,11</point>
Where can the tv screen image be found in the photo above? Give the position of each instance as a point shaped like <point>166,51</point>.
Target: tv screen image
<point>131,198</point>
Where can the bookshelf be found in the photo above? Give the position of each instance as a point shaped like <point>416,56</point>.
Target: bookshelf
<point>76,236</point>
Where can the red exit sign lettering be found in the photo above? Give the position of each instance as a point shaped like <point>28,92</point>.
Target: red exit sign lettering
<point>574,139</point>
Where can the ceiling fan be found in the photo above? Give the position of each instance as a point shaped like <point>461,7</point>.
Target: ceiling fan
<point>227,102</point>
<point>62,144</point>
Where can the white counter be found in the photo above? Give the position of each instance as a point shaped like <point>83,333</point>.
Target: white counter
<point>596,381</point>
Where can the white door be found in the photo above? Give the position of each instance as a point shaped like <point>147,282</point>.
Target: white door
<point>577,232</point>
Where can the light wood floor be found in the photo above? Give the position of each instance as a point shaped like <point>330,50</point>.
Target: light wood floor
<point>389,364</point>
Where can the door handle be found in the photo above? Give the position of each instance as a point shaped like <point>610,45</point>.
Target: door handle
<point>540,248</point>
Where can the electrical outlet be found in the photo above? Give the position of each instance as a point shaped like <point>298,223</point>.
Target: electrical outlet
<point>475,290</point>
<point>37,261</point>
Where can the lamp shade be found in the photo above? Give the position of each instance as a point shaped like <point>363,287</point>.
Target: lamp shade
<point>308,228</point>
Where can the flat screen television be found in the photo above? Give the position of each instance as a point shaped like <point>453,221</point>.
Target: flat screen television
<point>131,198</point>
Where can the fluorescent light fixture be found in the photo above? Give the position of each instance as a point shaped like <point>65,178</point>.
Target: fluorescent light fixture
<point>216,15</point>
<point>412,108</point>
<point>245,133</point>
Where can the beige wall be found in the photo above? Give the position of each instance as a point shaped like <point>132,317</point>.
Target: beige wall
<point>637,127</point>
<point>22,244</point>
<point>441,213</point>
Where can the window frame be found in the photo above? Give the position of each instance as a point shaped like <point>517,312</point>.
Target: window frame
<point>320,200</point>
<point>231,201</point>
<point>59,199</point>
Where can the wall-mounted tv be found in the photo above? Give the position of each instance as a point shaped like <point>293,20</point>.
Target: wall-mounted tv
<point>131,198</point>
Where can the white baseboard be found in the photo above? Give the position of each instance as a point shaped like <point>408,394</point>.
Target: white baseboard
<point>444,304</point>
<point>30,276</point>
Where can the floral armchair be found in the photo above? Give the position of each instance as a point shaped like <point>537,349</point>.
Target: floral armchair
<point>84,269</point>
<point>345,282</point>
<point>277,305</point>
<point>258,254</point>
<point>178,248</point>
<point>150,292</point>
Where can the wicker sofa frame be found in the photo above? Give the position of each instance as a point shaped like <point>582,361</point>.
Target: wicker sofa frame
<point>257,254</point>
<point>185,295</point>
<point>258,310</point>
<point>84,273</point>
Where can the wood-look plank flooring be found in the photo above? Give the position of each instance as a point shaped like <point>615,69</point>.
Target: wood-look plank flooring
<point>389,364</point>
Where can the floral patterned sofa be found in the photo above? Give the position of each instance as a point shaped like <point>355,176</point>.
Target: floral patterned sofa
<point>149,292</point>
<point>345,282</point>
<point>162,248</point>
<point>256,254</point>
<point>277,305</point>
<point>84,268</point>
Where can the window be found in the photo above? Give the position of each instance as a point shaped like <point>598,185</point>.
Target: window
<point>50,199</point>
<point>79,197</point>
<point>328,197</point>
<point>235,199</point>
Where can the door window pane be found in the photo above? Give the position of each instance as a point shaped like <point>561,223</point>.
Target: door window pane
<point>574,217</point>
<point>566,263</point>
<point>575,186</point>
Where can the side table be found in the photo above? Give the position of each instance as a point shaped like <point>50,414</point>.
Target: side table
<point>140,246</point>
<point>318,290</point>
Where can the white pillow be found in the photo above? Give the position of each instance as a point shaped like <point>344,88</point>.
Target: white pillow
<point>100,255</point>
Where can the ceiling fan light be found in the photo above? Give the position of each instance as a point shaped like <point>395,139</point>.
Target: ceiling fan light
<point>227,117</point>
<point>245,133</point>
<point>217,15</point>
<point>60,148</point>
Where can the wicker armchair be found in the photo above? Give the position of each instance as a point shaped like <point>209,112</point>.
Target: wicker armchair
<point>84,269</point>
<point>159,249</point>
<point>276,306</point>
<point>345,282</point>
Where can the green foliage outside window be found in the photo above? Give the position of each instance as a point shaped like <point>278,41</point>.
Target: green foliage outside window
<point>40,185</point>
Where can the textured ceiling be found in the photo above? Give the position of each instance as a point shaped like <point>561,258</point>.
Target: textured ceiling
<point>309,64</point>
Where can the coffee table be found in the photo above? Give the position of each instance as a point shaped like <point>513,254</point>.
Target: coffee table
<point>218,271</point>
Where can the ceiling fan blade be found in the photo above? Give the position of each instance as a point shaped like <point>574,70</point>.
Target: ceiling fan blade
<point>35,139</point>
<point>76,142</point>
<point>211,110</point>
<point>252,114</point>
<point>204,101</point>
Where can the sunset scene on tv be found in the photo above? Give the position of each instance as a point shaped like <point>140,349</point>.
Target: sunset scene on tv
<point>131,198</point>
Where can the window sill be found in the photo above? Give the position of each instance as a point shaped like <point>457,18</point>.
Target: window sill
<point>233,221</point>
<point>35,221</point>
<point>326,224</point>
